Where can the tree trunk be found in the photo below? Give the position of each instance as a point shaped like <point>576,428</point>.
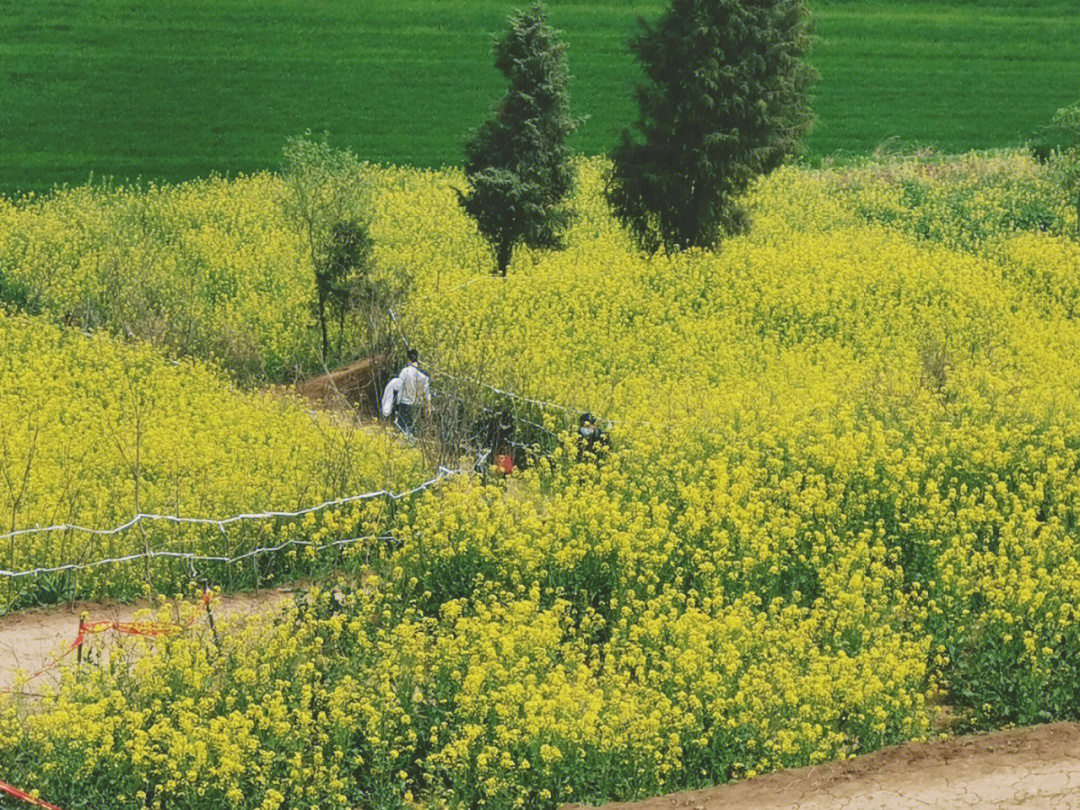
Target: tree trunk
<point>502,257</point>
<point>341,333</point>
<point>322,324</point>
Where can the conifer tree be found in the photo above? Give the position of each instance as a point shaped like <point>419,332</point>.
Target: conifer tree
<point>517,162</point>
<point>726,100</point>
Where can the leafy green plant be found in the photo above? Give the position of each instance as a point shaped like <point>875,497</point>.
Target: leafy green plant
<point>18,294</point>
<point>326,187</point>
<point>1058,144</point>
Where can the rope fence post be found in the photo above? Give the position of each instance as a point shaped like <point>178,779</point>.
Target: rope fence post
<point>80,637</point>
<point>210,616</point>
<point>228,553</point>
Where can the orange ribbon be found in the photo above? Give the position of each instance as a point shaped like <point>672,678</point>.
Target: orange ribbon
<point>151,629</point>
<point>26,797</point>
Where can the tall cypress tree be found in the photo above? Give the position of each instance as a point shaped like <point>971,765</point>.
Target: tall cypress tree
<point>517,162</point>
<point>726,100</point>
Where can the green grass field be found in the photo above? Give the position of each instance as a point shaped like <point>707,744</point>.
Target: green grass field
<point>172,89</point>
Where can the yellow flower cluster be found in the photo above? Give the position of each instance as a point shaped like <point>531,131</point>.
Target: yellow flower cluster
<point>211,268</point>
<point>841,491</point>
<point>205,268</point>
<point>93,431</point>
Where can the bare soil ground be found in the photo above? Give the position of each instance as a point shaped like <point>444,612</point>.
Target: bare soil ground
<point>1034,769</point>
<point>352,385</point>
<point>32,639</point>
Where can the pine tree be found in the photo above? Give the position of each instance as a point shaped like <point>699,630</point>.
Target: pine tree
<point>726,101</point>
<point>517,162</point>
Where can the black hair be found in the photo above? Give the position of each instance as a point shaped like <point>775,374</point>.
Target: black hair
<point>586,417</point>
<point>413,355</point>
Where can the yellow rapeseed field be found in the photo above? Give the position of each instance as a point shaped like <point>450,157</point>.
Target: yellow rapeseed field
<point>93,431</point>
<point>842,494</point>
<point>203,268</point>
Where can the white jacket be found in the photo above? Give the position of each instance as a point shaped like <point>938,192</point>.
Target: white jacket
<point>411,386</point>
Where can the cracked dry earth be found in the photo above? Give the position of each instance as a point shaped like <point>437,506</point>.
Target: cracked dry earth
<point>1034,769</point>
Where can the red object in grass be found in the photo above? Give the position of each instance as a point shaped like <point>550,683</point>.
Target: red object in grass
<point>504,464</point>
<point>26,797</point>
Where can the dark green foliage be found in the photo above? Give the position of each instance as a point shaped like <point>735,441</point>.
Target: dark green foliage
<point>1044,142</point>
<point>1059,145</point>
<point>18,295</point>
<point>517,161</point>
<point>956,214</point>
<point>1060,135</point>
<point>993,682</point>
<point>726,100</point>
<point>339,280</point>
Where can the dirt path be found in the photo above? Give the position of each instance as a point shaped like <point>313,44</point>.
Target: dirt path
<point>31,639</point>
<point>353,385</point>
<point>1034,769</point>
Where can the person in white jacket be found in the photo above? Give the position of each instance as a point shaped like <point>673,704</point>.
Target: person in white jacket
<point>410,387</point>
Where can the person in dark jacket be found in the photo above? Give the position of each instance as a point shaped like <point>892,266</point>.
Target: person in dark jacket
<point>593,443</point>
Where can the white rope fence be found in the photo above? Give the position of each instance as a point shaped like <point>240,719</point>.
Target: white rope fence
<point>508,394</point>
<point>194,558</point>
<point>220,523</point>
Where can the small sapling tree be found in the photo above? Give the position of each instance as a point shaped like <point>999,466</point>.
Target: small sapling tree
<point>726,100</point>
<point>1059,145</point>
<point>517,162</point>
<point>326,188</point>
<point>346,273</point>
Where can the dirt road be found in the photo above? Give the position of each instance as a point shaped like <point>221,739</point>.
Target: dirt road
<point>1033,769</point>
<point>29,640</point>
